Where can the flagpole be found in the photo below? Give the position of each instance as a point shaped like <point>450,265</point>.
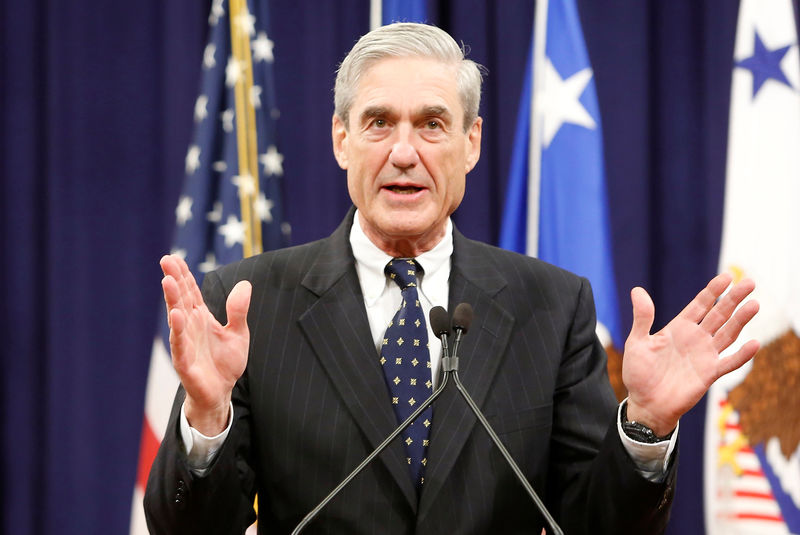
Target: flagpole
<point>245,129</point>
<point>535,141</point>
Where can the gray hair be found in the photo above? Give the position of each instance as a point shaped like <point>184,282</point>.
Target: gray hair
<point>406,39</point>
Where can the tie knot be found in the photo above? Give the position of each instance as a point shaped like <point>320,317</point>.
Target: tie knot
<point>403,271</point>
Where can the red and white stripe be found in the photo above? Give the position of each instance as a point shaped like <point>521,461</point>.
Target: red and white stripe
<point>162,383</point>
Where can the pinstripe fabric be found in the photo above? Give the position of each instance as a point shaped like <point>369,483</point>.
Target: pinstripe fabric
<point>313,403</point>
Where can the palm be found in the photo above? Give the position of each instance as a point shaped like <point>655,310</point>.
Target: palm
<point>212,357</point>
<point>668,372</point>
<point>208,356</point>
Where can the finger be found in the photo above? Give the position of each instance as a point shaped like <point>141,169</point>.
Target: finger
<point>171,265</point>
<point>726,335</point>
<point>177,267</point>
<point>172,294</point>
<point>178,342</point>
<point>644,312</point>
<point>697,309</point>
<point>236,306</point>
<point>191,288</point>
<point>735,361</point>
<point>168,265</point>
<point>188,284</point>
<point>725,307</point>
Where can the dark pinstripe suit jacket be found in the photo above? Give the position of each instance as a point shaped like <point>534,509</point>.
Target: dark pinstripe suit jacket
<point>313,403</point>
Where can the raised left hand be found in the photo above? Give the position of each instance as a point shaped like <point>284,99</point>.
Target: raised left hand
<point>667,373</point>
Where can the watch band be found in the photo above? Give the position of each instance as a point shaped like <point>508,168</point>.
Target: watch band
<point>640,432</point>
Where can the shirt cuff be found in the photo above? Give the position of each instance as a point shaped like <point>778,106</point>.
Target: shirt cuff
<point>201,449</point>
<point>651,460</point>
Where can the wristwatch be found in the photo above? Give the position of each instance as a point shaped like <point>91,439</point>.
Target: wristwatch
<point>640,432</point>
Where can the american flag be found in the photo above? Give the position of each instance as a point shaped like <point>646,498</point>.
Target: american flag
<point>231,200</point>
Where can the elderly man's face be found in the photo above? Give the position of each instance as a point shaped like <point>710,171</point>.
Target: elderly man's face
<point>406,152</point>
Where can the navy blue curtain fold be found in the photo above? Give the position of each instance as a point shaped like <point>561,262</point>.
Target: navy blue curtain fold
<point>96,103</point>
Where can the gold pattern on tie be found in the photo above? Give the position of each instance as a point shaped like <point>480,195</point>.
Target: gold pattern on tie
<point>405,379</point>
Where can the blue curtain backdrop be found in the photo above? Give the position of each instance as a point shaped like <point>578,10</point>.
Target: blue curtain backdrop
<point>96,104</point>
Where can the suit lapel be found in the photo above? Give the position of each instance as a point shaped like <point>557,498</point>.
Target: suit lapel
<point>338,331</point>
<point>473,280</point>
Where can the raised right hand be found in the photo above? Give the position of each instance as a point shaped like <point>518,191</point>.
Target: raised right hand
<point>208,356</point>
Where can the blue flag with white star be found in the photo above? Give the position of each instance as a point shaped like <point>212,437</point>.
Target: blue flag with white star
<point>231,199</point>
<point>556,206</point>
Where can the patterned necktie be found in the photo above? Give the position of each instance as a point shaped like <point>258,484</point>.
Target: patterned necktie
<point>406,364</point>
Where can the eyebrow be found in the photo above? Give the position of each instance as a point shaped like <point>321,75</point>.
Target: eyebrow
<point>437,111</point>
<point>373,112</point>
<point>426,111</point>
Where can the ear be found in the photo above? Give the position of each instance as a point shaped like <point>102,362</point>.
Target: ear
<point>473,141</point>
<point>340,140</point>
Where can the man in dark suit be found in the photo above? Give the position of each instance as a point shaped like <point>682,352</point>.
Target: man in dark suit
<point>288,396</point>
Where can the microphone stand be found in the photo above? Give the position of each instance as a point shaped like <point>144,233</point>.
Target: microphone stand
<point>383,445</point>
<point>453,365</point>
<point>449,367</point>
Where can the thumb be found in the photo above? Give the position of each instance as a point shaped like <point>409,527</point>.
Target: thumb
<point>237,304</point>
<point>644,312</point>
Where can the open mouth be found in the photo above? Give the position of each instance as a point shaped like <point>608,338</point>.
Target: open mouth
<point>404,190</point>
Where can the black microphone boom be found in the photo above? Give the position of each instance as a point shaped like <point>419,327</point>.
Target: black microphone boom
<point>462,319</point>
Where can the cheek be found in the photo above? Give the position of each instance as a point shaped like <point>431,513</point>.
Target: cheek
<point>456,193</point>
<point>353,187</point>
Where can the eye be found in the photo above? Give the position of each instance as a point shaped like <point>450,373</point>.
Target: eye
<point>380,123</point>
<point>433,125</point>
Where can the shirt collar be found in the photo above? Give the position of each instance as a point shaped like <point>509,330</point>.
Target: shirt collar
<point>371,261</point>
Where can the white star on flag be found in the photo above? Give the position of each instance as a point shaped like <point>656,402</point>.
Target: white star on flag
<point>233,231</point>
<point>246,22</point>
<point>210,263</point>
<point>217,11</point>
<point>262,48</point>
<point>560,101</point>
<point>227,120</point>
<point>233,71</point>
<point>215,215</point>
<point>272,160</point>
<point>209,61</point>
<point>183,212</point>
<point>200,108</point>
<point>263,208</point>
<point>245,183</point>
<point>192,159</point>
<point>220,166</point>
<point>179,252</point>
<point>255,96</point>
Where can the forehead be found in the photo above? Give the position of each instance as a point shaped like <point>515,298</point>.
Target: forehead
<point>409,82</point>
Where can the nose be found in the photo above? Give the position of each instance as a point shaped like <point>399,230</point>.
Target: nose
<point>404,154</point>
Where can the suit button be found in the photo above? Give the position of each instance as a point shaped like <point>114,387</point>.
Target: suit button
<point>179,503</point>
<point>181,484</point>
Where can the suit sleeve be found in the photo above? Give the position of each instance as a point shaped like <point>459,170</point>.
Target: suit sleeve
<point>597,487</point>
<point>221,501</point>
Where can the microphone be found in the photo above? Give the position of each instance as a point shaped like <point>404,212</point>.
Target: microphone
<point>440,325</point>
<point>462,319</point>
<point>441,328</point>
